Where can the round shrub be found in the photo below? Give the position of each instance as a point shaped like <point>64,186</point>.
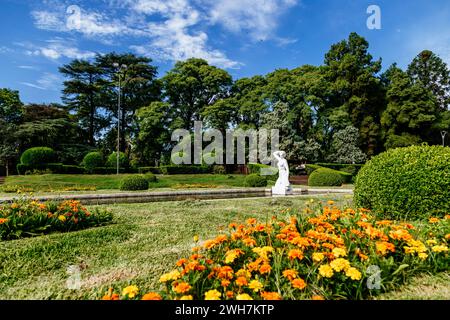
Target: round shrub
<point>38,156</point>
<point>255,180</point>
<point>133,183</point>
<point>92,160</point>
<point>324,177</point>
<point>112,160</point>
<point>406,183</point>
<point>150,177</point>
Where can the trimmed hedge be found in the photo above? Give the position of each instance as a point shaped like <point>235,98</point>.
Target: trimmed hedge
<point>325,177</point>
<point>185,169</point>
<point>406,183</point>
<point>38,156</point>
<point>92,160</point>
<point>349,168</point>
<point>108,170</point>
<point>134,183</point>
<point>150,177</point>
<point>154,170</point>
<point>57,168</point>
<point>255,180</point>
<point>310,168</point>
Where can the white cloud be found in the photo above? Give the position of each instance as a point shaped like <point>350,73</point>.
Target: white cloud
<point>48,81</point>
<point>57,48</point>
<point>255,17</point>
<point>4,49</point>
<point>170,29</point>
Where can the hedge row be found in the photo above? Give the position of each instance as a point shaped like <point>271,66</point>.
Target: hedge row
<point>349,168</point>
<point>60,168</point>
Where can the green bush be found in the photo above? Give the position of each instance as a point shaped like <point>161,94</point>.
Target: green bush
<point>154,170</point>
<point>47,168</point>
<point>349,168</point>
<point>38,156</point>
<point>134,183</point>
<point>310,168</point>
<point>219,169</point>
<point>255,180</point>
<point>406,183</point>
<point>92,160</point>
<point>123,161</point>
<point>325,177</point>
<point>185,169</point>
<point>150,177</point>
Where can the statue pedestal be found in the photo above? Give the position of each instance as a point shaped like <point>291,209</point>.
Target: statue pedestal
<point>281,191</point>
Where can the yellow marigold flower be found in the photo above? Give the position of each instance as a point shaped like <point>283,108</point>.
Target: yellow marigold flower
<point>151,296</point>
<point>339,252</point>
<point>433,220</point>
<point>243,296</point>
<point>423,255</point>
<point>317,298</point>
<point>299,283</point>
<point>318,256</point>
<point>195,238</point>
<point>130,291</point>
<point>440,248</point>
<point>255,285</point>
<point>3,220</point>
<point>263,251</point>
<point>231,255</point>
<point>212,295</point>
<point>14,206</point>
<point>353,273</point>
<point>243,273</point>
<point>62,218</point>
<point>182,287</point>
<point>326,271</point>
<point>340,264</point>
<point>330,202</point>
<point>431,242</point>
<point>187,298</point>
<point>173,275</point>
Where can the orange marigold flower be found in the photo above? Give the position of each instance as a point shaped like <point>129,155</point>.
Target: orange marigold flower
<point>271,296</point>
<point>225,272</point>
<point>251,221</point>
<point>433,220</point>
<point>295,254</point>
<point>447,236</point>
<point>225,283</point>
<point>151,296</point>
<point>400,234</point>
<point>241,281</point>
<point>383,247</point>
<point>317,298</point>
<point>113,296</point>
<point>3,220</point>
<point>265,268</point>
<point>290,274</point>
<point>299,284</point>
<point>229,294</point>
<point>182,287</point>
<point>383,223</point>
<point>250,242</point>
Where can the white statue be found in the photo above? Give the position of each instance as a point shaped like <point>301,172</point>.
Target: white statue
<point>282,186</point>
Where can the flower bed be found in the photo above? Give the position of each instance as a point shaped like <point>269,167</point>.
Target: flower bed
<point>332,254</point>
<point>27,217</point>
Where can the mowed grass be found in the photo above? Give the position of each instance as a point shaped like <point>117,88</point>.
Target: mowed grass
<point>57,182</point>
<point>144,242</point>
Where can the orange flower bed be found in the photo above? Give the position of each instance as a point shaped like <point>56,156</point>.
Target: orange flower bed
<point>333,254</point>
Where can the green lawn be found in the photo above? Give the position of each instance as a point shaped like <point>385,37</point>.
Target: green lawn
<point>58,182</point>
<point>145,241</point>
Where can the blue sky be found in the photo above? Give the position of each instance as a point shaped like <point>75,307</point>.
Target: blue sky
<point>246,37</point>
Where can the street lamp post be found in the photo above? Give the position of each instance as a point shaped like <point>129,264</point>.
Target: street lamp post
<point>443,134</point>
<point>119,72</point>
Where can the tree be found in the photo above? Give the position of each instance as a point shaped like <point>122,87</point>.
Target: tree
<point>139,88</point>
<point>11,114</point>
<point>410,113</point>
<point>82,94</point>
<point>356,93</point>
<point>433,73</point>
<point>344,148</point>
<point>190,87</point>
